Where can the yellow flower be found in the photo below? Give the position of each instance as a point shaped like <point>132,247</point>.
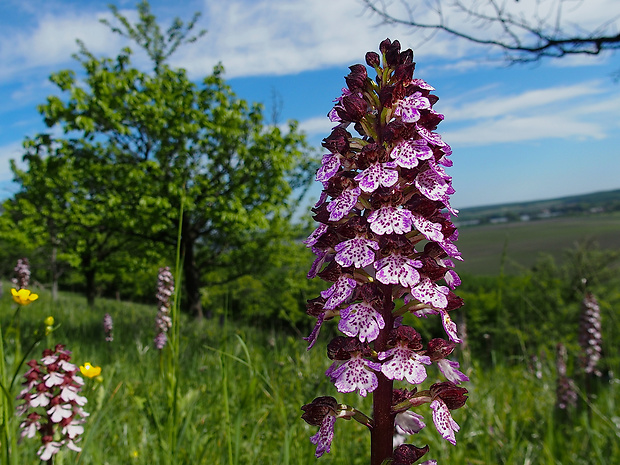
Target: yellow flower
<point>49,321</point>
<point>90,371</point>
<point>23,296</point>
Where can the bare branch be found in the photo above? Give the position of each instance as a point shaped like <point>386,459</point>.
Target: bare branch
<point>543,32</point>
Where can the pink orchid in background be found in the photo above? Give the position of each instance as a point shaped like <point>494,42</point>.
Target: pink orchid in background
<point>385,243</point>
<point>163,322</point>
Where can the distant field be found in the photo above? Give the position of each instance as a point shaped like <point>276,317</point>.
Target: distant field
<point>482,245</point>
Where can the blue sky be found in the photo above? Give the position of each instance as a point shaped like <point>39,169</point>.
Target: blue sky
<point>521,132</point>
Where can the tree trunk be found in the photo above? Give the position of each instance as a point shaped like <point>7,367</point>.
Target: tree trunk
<point>55,274</point>
<point>192,279</point>
<point>89,274</point>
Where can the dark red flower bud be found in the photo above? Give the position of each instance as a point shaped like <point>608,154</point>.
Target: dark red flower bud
<point>318,409</point>
<point>406,334</point>
<point>401,395</point>
<point>372,59</point>
<point>355,226</point>
<point>355,107</point>
<point>356,79</point>
<point>407,454</point>
<point>453,396</point>
<point>438,348</point>
<point>340,347</point>
<point>370,154</point>
<point>385,45</point>
<point>337,141</point>
<point>404,73</point>
<point>386,96</point>
<point>454,301</point>
<point>406,57</point>
<point>331,273</point>
<point>314,307</point>
<point>392,55</point>
<point>396,129</point>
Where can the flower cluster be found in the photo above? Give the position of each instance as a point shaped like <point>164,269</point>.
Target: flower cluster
<point>163,322</point>
<point>52,405</point>
<point>386,243</point>
<point>590,337</point>
<point>108,327</point>
<point>566,391</point>
<point>22,274</point>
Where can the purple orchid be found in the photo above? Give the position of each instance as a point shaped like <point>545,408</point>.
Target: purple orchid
<point>385,233</point>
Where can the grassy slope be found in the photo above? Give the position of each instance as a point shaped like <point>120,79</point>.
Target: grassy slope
<point>243,387</point>
<point>482,246</point>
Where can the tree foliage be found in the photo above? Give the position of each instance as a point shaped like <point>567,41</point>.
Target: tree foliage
<point>146,152</point>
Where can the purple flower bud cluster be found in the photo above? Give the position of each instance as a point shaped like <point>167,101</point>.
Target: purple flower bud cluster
<point>590,337</point>
<point>22,274</point>
<point>566,392</point>
<point>385,243</point>
<point>163,322</point>
<point>108,327</point>
<point>53,406</point>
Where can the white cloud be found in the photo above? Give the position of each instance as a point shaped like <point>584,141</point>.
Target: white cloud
<point>317,125</point>
<point>523,102</point>
<point>52,40</point>
<point>526,128</point>
<point>287,37</point>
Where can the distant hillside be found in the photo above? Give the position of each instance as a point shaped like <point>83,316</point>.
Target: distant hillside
<point>575,205</point>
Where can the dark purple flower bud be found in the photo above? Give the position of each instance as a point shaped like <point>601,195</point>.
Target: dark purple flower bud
<point>397,130</point>
<point>438,348</point>
<point>373,59</point>
<point>400,398</point>
<point>355,108</point>
<point>386,96</point>
<point>408,335</point>
<point>385,45</point>
<point>392,55</point>
<point>314,307</point>
<point>453,396</point>
<point>407,454</point>
<point>356,80</point>
<point>318,409</point>
<point>340,347</point>
<point>404,73</point>
<point>337,141</point>
<point>454,301</point>
<point>406,57</point>
<point>370,154</point>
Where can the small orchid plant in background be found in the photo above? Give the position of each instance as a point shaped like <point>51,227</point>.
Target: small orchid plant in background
<point>385,242</point>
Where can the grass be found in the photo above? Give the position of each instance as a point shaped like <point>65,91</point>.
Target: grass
<point>241,389</point>
<point>483,246</point>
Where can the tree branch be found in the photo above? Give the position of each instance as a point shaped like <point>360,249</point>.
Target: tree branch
<point>522,38</point>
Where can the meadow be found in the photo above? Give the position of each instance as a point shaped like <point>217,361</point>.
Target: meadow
<point>240,388</point>
<point>522,243</point>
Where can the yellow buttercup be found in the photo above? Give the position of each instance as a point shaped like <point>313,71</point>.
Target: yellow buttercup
<point>23,296</point>
<point>90,371</point>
